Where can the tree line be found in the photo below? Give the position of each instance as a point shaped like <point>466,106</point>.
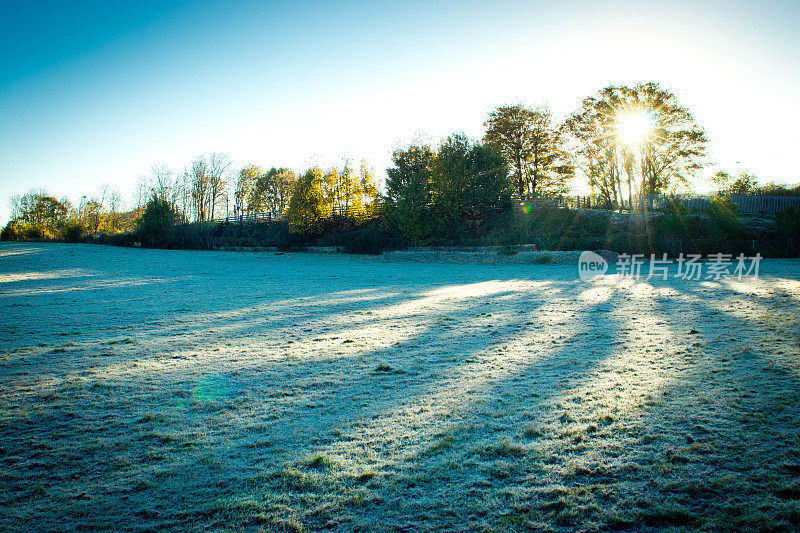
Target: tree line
<point>623,141</point>
<point>208,189</point>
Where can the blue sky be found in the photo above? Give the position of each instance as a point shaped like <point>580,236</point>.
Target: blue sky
<point>96,92</point>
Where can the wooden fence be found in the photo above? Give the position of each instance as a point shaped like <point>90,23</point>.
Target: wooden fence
<point>571,202</point>
<point>747,204</point>
<point>361,215</point>
<point>254,217</point>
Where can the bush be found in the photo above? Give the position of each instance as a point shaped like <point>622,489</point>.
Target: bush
<point>674,206</point>
<point>36,233</point>
<point>195,236</point>
<point>12,232</point>
<point>370,238</point>
<point>789,223</point>
<point>691,227</point>
<point>155,223</point>
<point>18,231</point>
<point>724,222</point>
<point>73,231</point>
<point>126,238</point>
<point>544,259</point>
<point>721,207</point>
<point>776,189</point>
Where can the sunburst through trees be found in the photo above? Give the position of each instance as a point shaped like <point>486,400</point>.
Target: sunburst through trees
<point>635,140</point>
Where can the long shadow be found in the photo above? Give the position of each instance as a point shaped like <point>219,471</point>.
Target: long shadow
<point>233,444</point>
<point>732,457</point>
<point>651,466</point>
<point>98,454</point>
<point>467,476</point>
<point>715,446</point>
<point>412,446</point>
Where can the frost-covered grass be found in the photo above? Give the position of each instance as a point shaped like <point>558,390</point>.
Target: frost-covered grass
<point>151,389</point>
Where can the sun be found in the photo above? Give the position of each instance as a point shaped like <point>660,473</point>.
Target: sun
<point>635,127</point>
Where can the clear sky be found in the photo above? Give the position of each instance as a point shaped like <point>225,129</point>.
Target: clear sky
<point>96,92</point>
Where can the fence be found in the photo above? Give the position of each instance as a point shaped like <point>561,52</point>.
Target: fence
<point>359,214</point>
<point>747,204</point>
<point>564,202</point>
<point>254,217</point>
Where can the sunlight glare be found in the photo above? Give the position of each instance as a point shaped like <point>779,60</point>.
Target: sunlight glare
<point>635,127</point>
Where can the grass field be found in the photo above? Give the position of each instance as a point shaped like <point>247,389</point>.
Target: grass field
<point>151,389</point>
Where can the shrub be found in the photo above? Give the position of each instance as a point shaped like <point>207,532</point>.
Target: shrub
<point>73,231</point>
<point>721,207</point>
<point>674,206</point>
<point>724,220</point>
<point>155,223</point>
<point>789,223</point>
<point>18,231</point>
<point>195,236</point>
<point>126,238</point>
<point>508,250</point>
<point>36,233</point>
<point>12,232</point>
<point>776,189</point>
<point>370,238</point>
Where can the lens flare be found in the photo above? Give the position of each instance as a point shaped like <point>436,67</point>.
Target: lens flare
<point>634,128</point>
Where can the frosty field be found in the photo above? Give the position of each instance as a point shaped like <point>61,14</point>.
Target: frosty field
<point>153,389</point>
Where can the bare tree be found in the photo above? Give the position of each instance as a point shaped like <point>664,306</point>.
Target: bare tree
<point>181,195</point>
<point>141,193</point>
<point>161,181</point>
<point>114,202</point>
<point>15,202</point>
<point>208,176</point>
<point>218,169</point>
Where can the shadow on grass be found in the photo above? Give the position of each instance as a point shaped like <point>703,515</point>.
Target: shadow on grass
<point>487,401</point>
